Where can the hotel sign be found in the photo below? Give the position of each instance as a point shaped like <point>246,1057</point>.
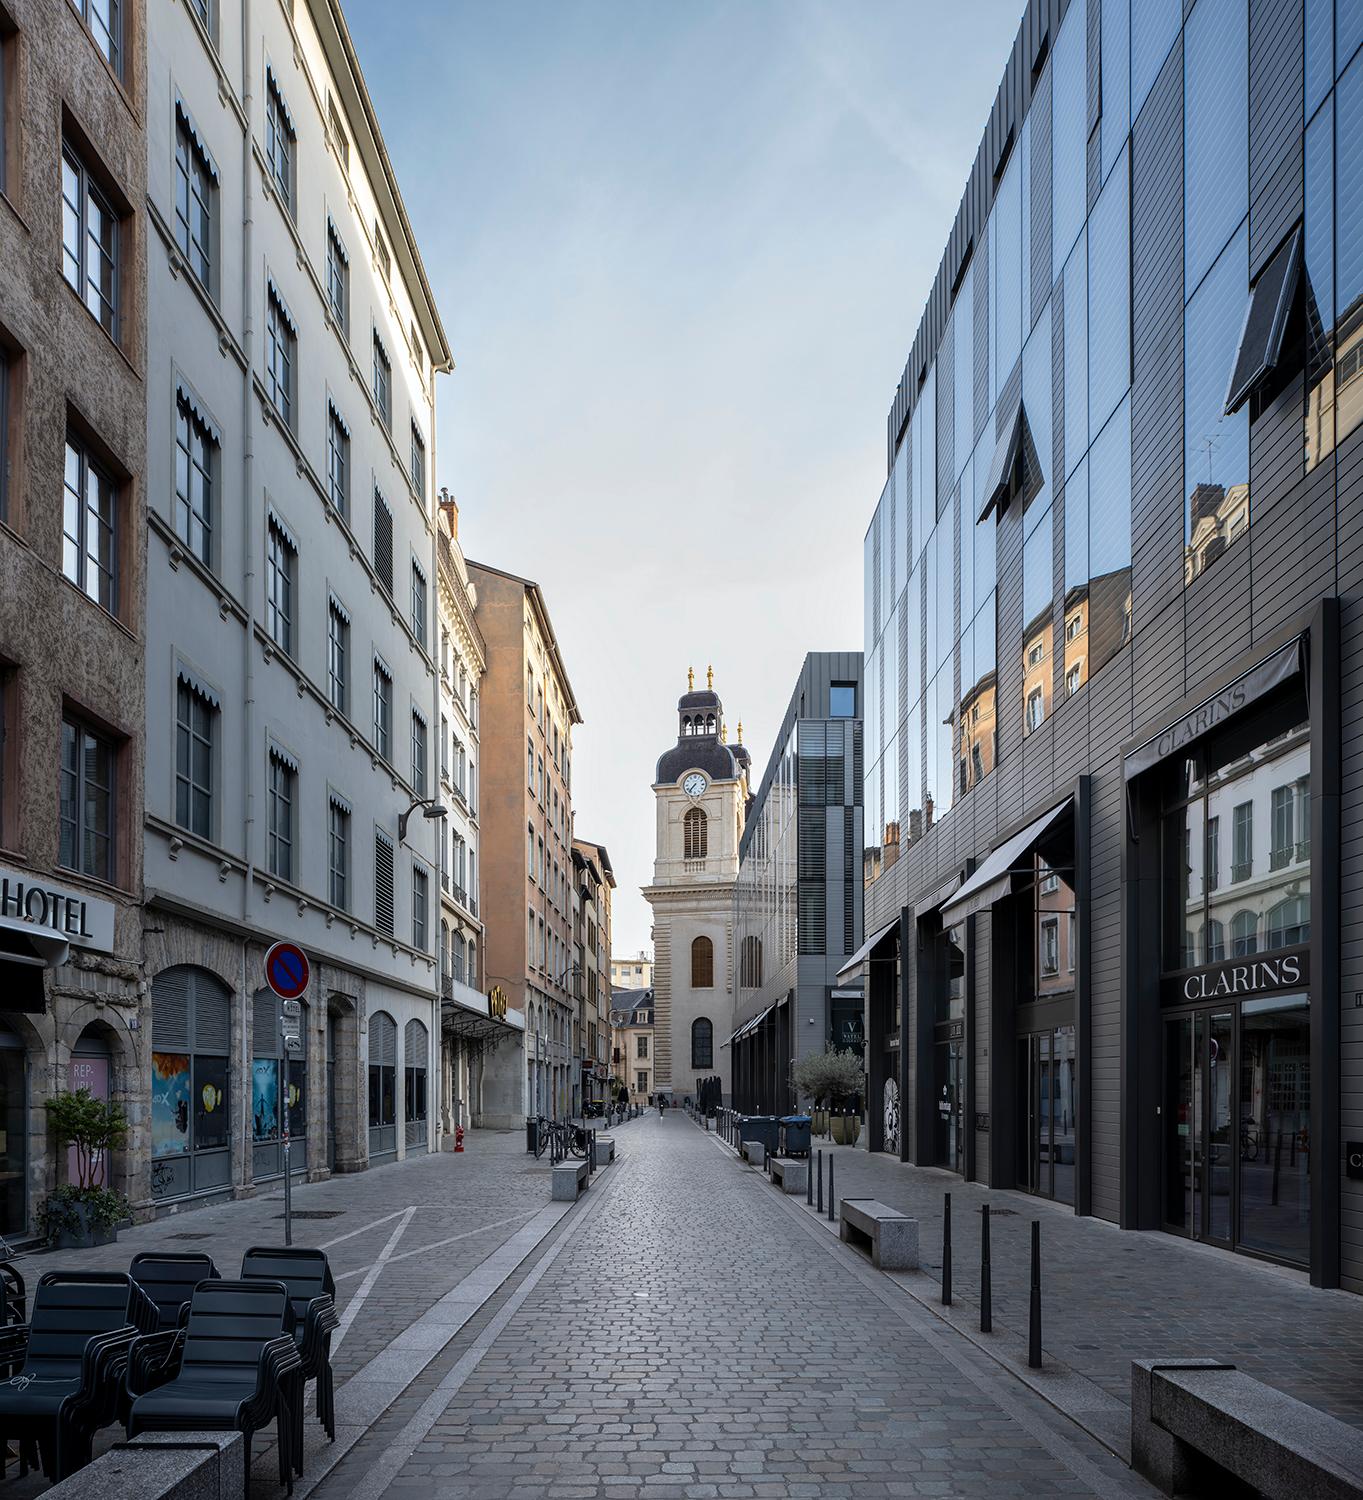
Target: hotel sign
<point>496,1003</point>
<point>1285,971</point>
<point>54,911</point>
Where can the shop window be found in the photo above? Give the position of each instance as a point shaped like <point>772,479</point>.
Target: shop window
<point>278,1091</point>
<point>190,1116</point>
<point>383,1060</point>
<point>414,1093</point>
<point>702,963</point>
<point>196,199</point>
<point>88,822</point>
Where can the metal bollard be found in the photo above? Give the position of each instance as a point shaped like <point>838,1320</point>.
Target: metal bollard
<point>986,1292</point>
<point>1034,1323</point>
<point>591,1147</point>
<point>766,1157</point>
<point>946,1250</point>
<point>832,1197</point>
<point>820,1179</point>
<point>809,1180</point>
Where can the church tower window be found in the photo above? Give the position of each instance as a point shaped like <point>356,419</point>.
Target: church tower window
<point>695,834</point>
<point>702,964</point>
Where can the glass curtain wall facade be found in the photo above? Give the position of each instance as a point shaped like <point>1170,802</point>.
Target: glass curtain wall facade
<point>1119,513</point>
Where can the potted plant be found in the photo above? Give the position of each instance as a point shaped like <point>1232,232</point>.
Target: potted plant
<point>84,1213</point>
<point>830,1078</point>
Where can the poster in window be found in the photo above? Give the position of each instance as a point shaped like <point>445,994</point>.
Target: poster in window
<point>297,1099</point>
<point>210,1102</point>
<point>265,1099</point>
<point>169,1104</point>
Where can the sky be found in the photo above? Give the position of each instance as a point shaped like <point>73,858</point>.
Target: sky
<point>680,249</point>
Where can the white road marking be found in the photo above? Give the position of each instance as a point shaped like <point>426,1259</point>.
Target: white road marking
<point>363,1229</point>
<point>352,1308</point>
<point>440,1244</point>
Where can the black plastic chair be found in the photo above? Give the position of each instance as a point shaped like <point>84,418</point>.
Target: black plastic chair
<point>239,1370</point>
<point>169,1279</point>
<point>71,1379</point>
<point>312,1291</point>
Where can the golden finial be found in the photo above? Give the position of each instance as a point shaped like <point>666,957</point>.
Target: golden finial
<point>690,679</point>
<point>710,678</point>
<point>740,731</point>
<point>724,734</point>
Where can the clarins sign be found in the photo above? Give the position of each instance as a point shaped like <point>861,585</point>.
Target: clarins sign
<point>1285,971</point>
<point>55,911</point>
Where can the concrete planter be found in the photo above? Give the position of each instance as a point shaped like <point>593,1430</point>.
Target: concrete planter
<point>845,1128</point>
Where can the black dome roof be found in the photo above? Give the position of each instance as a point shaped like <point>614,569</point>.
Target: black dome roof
<point>704,753</point>
<point>698,698</point>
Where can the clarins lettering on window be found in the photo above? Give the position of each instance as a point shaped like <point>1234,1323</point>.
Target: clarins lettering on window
<point>1285,972</point>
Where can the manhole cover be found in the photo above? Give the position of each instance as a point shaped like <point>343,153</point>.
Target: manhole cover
<point>185,1236</point>
<point>315,1213</point>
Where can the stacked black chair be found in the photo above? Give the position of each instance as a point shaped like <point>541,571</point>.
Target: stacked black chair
<point>71,1380</point>
<point>238,1371</point>
<point>312,1291</point>
<point>169,1279</point>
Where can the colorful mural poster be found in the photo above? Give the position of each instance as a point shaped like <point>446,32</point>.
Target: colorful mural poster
<point>169,1104</point>
<point>265,1099</point>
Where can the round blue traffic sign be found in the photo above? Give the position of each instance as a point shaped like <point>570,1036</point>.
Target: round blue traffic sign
<point>286,970</point>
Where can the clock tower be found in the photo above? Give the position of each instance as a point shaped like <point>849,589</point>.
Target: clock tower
<point>701,791</point>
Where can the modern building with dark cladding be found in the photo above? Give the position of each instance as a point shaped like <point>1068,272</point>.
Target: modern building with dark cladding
<point>1114,641</point>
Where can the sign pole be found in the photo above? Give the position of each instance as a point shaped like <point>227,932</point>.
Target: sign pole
<point>283,1091</point>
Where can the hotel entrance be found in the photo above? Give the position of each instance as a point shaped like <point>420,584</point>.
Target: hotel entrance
<point>1237,1138</point>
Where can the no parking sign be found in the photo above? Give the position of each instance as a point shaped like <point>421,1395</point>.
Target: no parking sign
<point>287,971</point>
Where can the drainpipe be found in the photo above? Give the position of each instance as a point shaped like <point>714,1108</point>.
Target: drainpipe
<point>249,579</point>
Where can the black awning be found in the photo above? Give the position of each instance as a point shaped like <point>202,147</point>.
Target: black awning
<point>475,1029</point>
<point>1261,338</point>
<point>1004,461</point>
<point>21,984</point>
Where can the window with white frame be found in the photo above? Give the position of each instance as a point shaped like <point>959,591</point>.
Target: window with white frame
<point>338,655</point>
<point>87,820</point>
<point>91,246</point>
<point>90,525</point>
<point>417,463</point>
<point>383,381</point>
<point>338,277</point>
<point>338,852</point>
<point>418,602</point>
<point>338,460</point>
<point>419,753</point>
<point>421,886</point>
<point>383,708</point>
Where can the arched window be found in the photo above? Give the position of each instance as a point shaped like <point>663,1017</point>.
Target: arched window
<point>1243,933</point>
<point>702,1043</point>
<point>383,1074</point>
<point>1216,941</point>
<point>1289,923</point>
<point>710,724</point>
<point>415,1048</point>
<point>694,833</point>
<point>190,1114</point>
<point>702,964</point>
<point>750,963</point>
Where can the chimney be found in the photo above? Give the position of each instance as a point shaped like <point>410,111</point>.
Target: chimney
<point>450,510</point>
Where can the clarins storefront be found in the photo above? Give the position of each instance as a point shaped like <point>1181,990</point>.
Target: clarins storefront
<point>1232,960</point>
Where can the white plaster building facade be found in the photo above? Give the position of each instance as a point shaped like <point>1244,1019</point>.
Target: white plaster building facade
<point>701,791</point>
<point>292,695</point>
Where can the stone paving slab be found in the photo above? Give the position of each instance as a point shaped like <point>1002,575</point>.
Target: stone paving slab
<point>690,1342</point>
<point>1110,1296</point>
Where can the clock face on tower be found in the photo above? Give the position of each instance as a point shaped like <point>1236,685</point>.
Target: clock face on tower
<point>694,784</point>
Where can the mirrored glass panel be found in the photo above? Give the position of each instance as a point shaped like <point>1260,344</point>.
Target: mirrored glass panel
<point>1037,645</point>
<point>1216,131</point>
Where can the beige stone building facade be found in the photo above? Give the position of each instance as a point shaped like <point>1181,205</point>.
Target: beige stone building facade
<point>528,712</point>
<point>632,1044</point>
<point>634,972</point>
<point>593,880</point>
<point>701,792</point>
<point>73,367</point>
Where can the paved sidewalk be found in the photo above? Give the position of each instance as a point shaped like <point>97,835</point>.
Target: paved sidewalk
<point>687,1337</point>
<point>1110,1296</point>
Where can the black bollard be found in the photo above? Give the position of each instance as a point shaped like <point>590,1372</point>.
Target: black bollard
<point>1034,1325</point>
<point>766,1157</point>
<point>1278,1161</point>
<point>946,1250</point>
<point>832,1196</point>
<point>809,1181</point>
<point>820,1179</point>
<point>986,1293</point>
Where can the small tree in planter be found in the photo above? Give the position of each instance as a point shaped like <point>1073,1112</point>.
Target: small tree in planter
<point>830,1078</point>
<point>83,1213</point>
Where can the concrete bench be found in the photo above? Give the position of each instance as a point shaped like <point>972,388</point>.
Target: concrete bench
<point>890,1238</point>
<point>790,1173</point>
<point>1195,1421</point>
<point>755,1153</point>
<point>162,1466</point>
<point>605,1150</point>
<point>568,1178</point>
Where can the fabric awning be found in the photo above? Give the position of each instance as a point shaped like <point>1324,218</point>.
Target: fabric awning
<point>994,879</point>
<point>749,1026</point>
<point>862,953</point>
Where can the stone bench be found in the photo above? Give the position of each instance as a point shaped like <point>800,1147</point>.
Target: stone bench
<point>755,1153</point>
<point>790,1173</point>
<point>1195,1421</point>
<point>889,1237</point>
<point>162,1466</point>
<point>605,1150</point>
<point>568,1178</point>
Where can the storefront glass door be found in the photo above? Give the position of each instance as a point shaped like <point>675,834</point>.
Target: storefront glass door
<point>1236,1131</point>
<point>1047,1071</point>
<point>950,1077</point>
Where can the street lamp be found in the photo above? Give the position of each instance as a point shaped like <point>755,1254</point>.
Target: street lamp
<point>430,808</point>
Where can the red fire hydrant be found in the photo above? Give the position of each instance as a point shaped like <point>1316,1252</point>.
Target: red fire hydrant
<point>458,1137</point>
